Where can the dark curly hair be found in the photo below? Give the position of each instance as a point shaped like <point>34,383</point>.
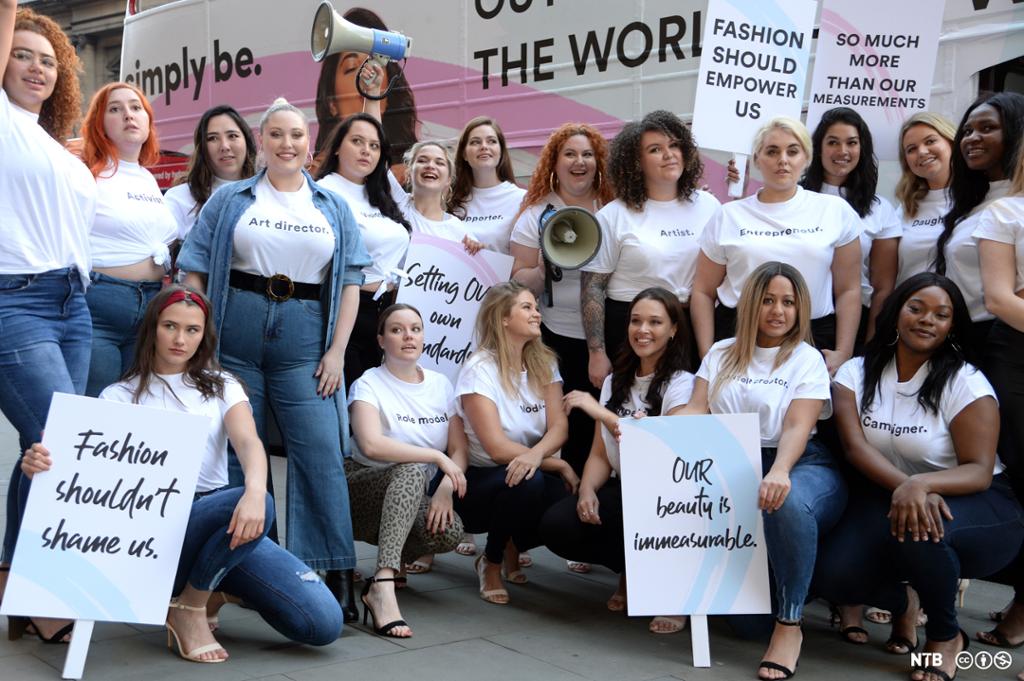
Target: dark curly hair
<point>63,108</point>
<point>626,174</point>
<point>860,185</point>
<point>676,357</point>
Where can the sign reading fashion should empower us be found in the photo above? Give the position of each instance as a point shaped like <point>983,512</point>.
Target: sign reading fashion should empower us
<point>103,528</point>
<point>877,57</point>
<point>693,533</point>
<point>753,66</point>
<point>446,284</point>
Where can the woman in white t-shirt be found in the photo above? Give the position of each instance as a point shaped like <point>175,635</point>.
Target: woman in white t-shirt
<point>510,399</point>
<point>649,379</point>
<point>354,165</point>
<point>405,428</point>
<point>984,160</point>
<point>484,191</point>
<point>282,258</point>
<point>920,422</point>
<point>817,233</point>
<point>926,148</point>
<point>223,150</point>
<point>650,232</point>
<point>133,229</point>
<point>844,164</point>
<point>47,203</point>
<point>770,368</point>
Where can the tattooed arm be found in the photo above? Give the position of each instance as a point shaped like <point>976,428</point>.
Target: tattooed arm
<point>593,289</point>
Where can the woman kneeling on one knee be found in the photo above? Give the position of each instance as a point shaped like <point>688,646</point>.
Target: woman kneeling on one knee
<point>921,423</point>
<point>510,395</point>
<point>403,418</point>
<point>771,368</point>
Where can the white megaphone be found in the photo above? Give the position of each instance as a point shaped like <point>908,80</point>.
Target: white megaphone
<point>569,238</point>
<point>333,33</point>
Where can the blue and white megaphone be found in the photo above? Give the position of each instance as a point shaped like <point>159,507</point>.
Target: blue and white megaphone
<point>570,237</point>
<point>332,33</point>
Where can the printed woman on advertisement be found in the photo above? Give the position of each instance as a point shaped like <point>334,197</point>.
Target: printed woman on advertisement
<point>771,367</point>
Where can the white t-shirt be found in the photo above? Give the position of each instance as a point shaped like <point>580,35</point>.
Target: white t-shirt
<point>183,206</point>
<point>523,417</point>
<point>675,393</point>
<point>132,221</point>
<point>414,413</point>
<point>656,246</point>
<point>172,393</point>
<point>563,317</point>
<point>912,438</point>
<point>490,212</point>
<point>962,263</point>
<point>766,391</point>
<point>921,233</point>
<point>449,227</point>
<point>386,240</point>
<point>804,232</point>
<point>1003,221</point>
<point>47,199</point>
<point>283,233</point>
<point>880,223</point>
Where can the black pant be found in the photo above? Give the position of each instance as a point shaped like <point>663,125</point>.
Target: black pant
<point>567,536</point>
<point>363,352</point>
<point>573,361</point>
<point>616,320</point>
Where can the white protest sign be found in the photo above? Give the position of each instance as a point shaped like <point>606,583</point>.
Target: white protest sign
<point>103,528</point>
<point>693,533</point>
<point>446,284</point>
<point>878,58</point>
<point>753,67</point>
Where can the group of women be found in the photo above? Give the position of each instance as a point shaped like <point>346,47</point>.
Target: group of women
<point>853,329</point>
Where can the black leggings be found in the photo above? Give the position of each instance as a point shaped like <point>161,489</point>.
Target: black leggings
<point>573,361</point>
<point>569,537</point>
<point>363,352</point>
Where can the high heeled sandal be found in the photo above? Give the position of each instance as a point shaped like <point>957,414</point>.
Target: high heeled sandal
<point>935,671</point>
<point>846,633</point>
<point>386,629</point>
<point>192,655</point>
<point>787,673</point>
<point>496,596</point>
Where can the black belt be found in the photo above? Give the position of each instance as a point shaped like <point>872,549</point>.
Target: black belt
<point>278,287</point>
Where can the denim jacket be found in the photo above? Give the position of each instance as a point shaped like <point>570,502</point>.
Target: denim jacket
<point>208,250</point>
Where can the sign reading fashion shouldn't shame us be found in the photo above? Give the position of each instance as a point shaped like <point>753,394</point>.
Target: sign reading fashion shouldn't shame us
<point>877,57</point>
<point>446,284</point>
<point>693,534</point>
<point>753,67</point>
<point>103,528</point>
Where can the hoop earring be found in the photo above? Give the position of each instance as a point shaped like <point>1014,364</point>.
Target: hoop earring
<point>597,181</point>
<point>896,339</point>
<point>551,182</point>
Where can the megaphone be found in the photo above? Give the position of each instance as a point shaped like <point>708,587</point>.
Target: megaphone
<point>333,33</point>
<point>569,238</point>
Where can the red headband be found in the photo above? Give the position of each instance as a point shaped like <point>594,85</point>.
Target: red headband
<point>188,296</point>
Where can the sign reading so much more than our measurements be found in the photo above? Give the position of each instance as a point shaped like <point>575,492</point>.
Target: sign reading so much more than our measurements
<point>103,528</point>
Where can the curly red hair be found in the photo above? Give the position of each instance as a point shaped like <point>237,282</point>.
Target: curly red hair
<point>63,108</point>
<point>544,180</point>
<point>99,150</point>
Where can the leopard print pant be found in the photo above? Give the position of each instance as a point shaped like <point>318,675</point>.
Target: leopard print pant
<point>389,509</point>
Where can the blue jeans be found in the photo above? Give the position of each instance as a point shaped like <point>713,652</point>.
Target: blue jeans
<point>816,500</point>
<point>861,562</point>
<point>275,348</point>
<point>206,554</point>
<point>117,307</point>
<point>46,332</point>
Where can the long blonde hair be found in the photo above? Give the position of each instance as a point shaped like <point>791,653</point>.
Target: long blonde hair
<point>911,188</point>
<point>537,358</point>
<point>737,357</point>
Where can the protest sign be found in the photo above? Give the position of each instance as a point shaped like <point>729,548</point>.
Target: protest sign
<point>446,284</point>
<point>693,533</point>
<point>753,67</point>
<point>877,57</point>
<point>103,528</point>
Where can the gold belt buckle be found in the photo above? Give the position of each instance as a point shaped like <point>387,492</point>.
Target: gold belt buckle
<point>275,296</point>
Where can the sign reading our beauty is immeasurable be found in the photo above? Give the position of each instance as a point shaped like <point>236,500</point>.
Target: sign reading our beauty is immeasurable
<point>103,528</point>
<point>878,58</point>
<point>446,284</point>
<point>693,533</point>
<point>753,67</point>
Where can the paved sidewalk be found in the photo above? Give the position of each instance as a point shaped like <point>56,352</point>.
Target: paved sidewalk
<point>555,629</point>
